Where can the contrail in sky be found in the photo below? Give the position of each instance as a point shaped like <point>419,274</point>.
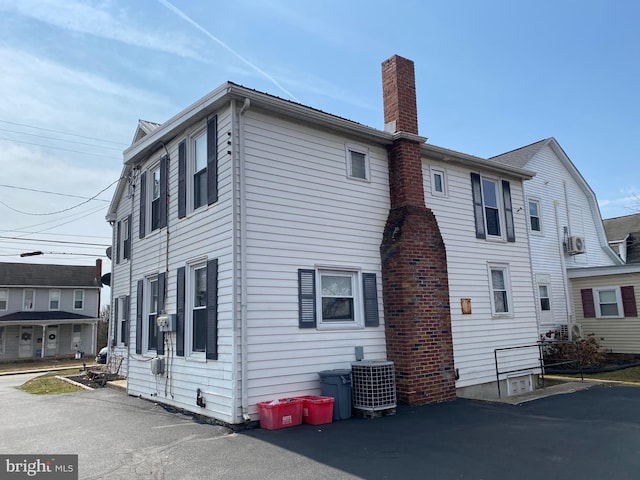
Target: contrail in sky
<point>184,16</point>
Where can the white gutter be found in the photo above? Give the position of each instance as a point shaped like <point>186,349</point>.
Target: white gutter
<point>243,263</point>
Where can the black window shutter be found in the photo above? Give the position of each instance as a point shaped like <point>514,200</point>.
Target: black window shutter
<point>162,282</point>
<point>212,309</point>
<point>164,186</point>
<point>127,242</point>
<point>116,322</point>
<point>118,237</point>
<point>182,179</point>
<point>588,307</point>
<point>125,322</point>
<point>629,301</point>
<point>508,211</point>
<point>306,298</point>
<point>180,312</point>
<point>370,290</point>
<point>143,204</point>
<point>139,307</point>
<point>212,160</point>
<point>478,211</point>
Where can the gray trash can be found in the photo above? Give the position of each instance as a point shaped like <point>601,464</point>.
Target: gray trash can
<point>337,384</point>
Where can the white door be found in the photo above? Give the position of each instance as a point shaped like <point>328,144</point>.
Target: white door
<point>76,338</point>
<point>52,341</point>
<point>25,346</point>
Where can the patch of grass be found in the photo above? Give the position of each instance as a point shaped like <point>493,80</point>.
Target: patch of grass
<point>48,385</point>
<point>631,374</point>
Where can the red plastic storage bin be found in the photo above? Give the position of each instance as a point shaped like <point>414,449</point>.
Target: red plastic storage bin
<point>286,413</point>
<point>317,410</point>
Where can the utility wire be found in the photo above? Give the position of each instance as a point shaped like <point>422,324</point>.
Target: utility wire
<point>63,133</point>
<point>54,241</point>
<point>58,148</point>
<point>59,139</point>
<point>52,193</point>
<point>64,210</point>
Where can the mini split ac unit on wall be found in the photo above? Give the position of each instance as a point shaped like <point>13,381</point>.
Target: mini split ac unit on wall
<point>575,245</point>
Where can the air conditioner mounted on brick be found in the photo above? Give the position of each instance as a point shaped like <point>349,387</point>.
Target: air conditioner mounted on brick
<point>575,245</point>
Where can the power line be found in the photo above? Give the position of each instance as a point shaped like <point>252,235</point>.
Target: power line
<point>58,148</point>
<point>63,133</point>
<point>53,193</point>
<point>59,139</point>
<point>54,241</point>
<point>64,210</point>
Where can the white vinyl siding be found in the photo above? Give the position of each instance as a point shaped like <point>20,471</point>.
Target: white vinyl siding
<point>478,334</point>
<point>192,237</point>
<point>295,221</point>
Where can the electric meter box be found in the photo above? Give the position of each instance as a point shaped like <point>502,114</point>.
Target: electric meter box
<point>166,322</point>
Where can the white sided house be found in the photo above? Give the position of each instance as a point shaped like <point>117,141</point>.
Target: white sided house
<point>272,241</point>
<point>565,228</point>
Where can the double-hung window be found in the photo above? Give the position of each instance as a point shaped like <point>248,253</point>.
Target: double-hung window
<point>545,300</point>
<point>78,299</point>
<point>500,290</point>
<point>199,309</point>
<point>1,340</point>
<point>152,314</point>
<point>198,169</point>
<point>535,223</point>
<point>609,302</point>
<point>54,299</point>
<point>123,239</point>
<point>492,208</point>
<point>122,319</point>
<point>154,184</point>
<point>337,299</point>
<point>4,299</point>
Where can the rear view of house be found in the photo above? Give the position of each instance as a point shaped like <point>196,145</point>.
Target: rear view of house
<point>48,310</point>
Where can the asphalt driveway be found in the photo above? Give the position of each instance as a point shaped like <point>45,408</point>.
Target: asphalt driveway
<point>590,434</point>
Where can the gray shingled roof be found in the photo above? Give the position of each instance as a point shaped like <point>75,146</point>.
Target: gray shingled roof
<point>520,156</point>
<point>39,316</point>
<point>619,227</point>
<point>32,274</point>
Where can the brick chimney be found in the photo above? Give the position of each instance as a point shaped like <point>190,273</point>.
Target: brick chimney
<point>414,262</point>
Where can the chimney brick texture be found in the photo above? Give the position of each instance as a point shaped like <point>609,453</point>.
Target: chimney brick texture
<point>415,283</point>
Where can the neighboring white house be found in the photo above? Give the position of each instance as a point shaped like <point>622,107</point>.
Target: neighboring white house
<point>49,310</point>
<point>252,227</point>
<point>565,228</point>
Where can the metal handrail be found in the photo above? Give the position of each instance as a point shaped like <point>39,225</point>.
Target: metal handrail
<point>540,346</point>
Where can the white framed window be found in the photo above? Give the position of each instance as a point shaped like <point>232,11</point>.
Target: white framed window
<point>78,299</point>
<point>126,238</point>
<point>154,198</point>
<point>438,182</point>
<point>122,320</point>
<point>545,299</point>
<point>2,335</point>
<point>535,217</point>
<point>198,166</point>
<point>196,307</point>
<point>608,302</point>
<point>357,162</point>
<point>152,313</point>
<point>29,298</point>
<point>340,299</point>
<point>4,299</point>
<point>500,290</point>
<point>54,299</point>
<point>490,193</point>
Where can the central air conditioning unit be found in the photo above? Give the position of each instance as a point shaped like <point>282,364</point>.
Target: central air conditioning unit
<point>373,386</point>
<point>575,245</point>
<point>575,331</point>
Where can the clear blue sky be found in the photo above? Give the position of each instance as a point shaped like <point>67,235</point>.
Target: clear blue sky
<point>491,76</point>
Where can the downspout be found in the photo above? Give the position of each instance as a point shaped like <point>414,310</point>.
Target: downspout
<point>243,263</point>
<point>563,267</point>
